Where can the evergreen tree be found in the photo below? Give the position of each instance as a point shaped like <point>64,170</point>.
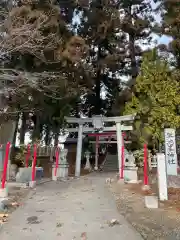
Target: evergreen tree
<point>43,53</point>
<point>100,26</point>
<point>136,22</point>
<point>170,25</point>
<point>156,99</point>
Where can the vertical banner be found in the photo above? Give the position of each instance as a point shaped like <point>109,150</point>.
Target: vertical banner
<point>170,151</point>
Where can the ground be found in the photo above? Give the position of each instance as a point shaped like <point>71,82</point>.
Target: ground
<point>77,209</point>
<point>162,223</point>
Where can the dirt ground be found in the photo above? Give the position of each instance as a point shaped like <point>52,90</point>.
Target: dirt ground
<point>173,192</point>
<point>161,223</point>
<point>16,198</point>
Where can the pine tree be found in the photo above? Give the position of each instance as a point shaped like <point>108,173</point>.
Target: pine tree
<point>170,12</point>
<point>136,17</point>
<point>100,26</point>
<point>43,52</point>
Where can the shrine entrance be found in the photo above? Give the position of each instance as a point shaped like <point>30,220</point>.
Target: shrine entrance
<point>96,126</point>
<point>105,148</point>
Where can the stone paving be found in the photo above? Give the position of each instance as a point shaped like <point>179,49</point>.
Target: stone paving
<point>79,209</point>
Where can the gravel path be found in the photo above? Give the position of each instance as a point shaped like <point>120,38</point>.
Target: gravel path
<point>74,210</point>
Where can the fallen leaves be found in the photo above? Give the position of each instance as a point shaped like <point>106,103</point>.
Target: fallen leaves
<point>3,218</point>
<point>113,222</point>
<point>58,225</point>
<point>15,204</point>
<point>84,236</point>
<point>33,220</point>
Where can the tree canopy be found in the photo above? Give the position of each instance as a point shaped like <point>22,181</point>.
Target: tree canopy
<point>156,98</point>
<point>84,57</point>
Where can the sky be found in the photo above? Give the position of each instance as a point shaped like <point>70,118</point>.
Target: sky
<point>163,39</point>
<point>159,39</point>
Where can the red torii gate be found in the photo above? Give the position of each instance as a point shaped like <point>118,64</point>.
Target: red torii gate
<point>109,134</point>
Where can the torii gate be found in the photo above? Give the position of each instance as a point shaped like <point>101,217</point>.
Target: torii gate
<point>98,123</point>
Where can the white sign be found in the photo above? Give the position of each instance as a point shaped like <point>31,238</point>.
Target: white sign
<point>97,122</point>
<point>170,151</point>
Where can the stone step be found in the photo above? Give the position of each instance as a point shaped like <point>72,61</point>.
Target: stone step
<point>111,163</point>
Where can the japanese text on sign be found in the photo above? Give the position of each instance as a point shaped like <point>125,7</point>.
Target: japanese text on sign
<point>170,149</point>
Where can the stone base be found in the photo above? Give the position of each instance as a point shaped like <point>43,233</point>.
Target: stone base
<point>25,174</point>
<point>88,166</point>
<point>146,188</point>
<point>32,184</point>
<point>121,181</point>
<point>16,184</point>
<point>13,171</point>
<point>3,193</point>
<point>54,178</point>
<point>62,171</point>
<point>151,202</point>
<point>95,168</point>
<point>130,173</point>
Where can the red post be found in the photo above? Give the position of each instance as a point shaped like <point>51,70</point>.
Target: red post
<point>145,165</point>
<point>5,164</point>
<point>122,164</point>
<point>34,162</point>
<point>27,155</point>
<point>121,170</point>
<point>57,161</point>
<point>97,152</point>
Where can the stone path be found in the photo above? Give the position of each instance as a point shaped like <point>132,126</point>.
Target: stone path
<point>75,210</point>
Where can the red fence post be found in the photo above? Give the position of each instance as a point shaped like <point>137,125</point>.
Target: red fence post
<point>57,161</point>
<point>145,165</point>
<point>97,152</point>
<point>5,164</point>
<point>27,155</point>
<point>34,162</point>
<point>121,170</point>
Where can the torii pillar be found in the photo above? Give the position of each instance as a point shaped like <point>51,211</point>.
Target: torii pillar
<point>79,151</point>
<point>119,143</point>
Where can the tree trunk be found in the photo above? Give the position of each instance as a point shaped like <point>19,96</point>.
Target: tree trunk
<point>98,102</point>
<point>56,141</point>
<point>23,128</point>
<point>47,136</point>
<point>134,67</point>
<point>15,131</point>
<point>37,129</point>
<point>98,94</point>
<point>12,153</point>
